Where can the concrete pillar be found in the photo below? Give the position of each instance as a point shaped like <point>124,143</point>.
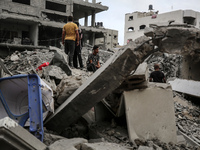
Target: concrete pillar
<point>92,39</point>
<point>34,33</point>
<point>104,41</point>
<point>93,18</point>
<point>86,20</point>
<point>94,1</point>
<point>69,8</point>
<point>150,113</point>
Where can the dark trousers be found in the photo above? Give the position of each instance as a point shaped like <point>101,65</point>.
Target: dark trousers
<point>69,50</point>
<point>77,55</point>
<point>91,67</point>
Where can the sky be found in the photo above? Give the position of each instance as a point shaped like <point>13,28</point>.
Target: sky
<point>114,17</point>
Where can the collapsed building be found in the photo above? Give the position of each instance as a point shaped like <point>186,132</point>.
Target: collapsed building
<point>40,23</point>
<point>154,115</point>
<point>121,79</point>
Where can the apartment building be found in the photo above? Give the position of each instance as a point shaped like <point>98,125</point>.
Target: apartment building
<point>136,22</point>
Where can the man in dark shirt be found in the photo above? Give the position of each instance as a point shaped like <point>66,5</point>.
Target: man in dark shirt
<point>93,60</point>
<point>157,75</point>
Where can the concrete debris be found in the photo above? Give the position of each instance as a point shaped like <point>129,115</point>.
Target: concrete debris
<point>100,84</point>
<point>187,118</point>
<point>69,84</point>
<point>67,144</point>
<point>145,148</point>
<point>137,79</point>
<point>26,60</point>
<point>170,64</point>
<point>146,113</point>
<point>13,136</point>
<point>77,91</point>
<point>189,87</point>
<point>60,59</point>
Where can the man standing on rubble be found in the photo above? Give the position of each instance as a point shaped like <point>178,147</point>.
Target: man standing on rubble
<point>69,36</point>
<point>93,60</point>
<point>157,75</point>
<point>77,52</point>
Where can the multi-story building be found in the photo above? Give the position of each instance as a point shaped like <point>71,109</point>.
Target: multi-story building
<point>40,22</point>
<point>136,22</point>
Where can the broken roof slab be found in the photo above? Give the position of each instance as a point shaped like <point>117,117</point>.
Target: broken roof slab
<point>99,85</point>
<point>82,7</point>
<point>189,87</point>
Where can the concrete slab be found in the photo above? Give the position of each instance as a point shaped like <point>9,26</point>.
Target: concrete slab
<point>67,144</point>
<point>102,146</point>
<point>13,136</point>
<point>150,113</point>
<point>139,75</point>
<point>189,87</point>
<point>100,84</point>
<point>137,79</point>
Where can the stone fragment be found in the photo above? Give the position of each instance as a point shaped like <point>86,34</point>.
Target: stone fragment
<point>145,148</point>
<point>67,144</point>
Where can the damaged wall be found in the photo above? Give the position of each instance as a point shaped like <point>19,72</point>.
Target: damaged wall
<point>40,16</point>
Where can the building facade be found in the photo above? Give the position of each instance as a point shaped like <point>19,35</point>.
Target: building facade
<point>136,22</point>
<point>40,22</point>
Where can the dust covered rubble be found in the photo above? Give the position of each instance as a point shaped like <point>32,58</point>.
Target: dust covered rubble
<point>26,63</point>
<point>57,75</point>
<point>187,117</point>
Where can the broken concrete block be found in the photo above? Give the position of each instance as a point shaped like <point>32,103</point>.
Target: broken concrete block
<point>67,144</point>
<point>139,75</point>
<point>13,136</point>
<point>189,87</point>
<point>150,113</point>
<point>136,80</point>
<point>60,60</point>
<point>105,80</point>
<point>102,146</point>
<point>67,86</point>
<point>181,139</point>
<point>145,148</point>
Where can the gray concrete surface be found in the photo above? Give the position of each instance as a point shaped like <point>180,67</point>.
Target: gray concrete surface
<point>150,113</point>
<point>13,136</point>
<point>186,86</point>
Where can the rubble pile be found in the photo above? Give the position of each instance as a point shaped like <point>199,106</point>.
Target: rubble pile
<point>104,55</point>
<point>187,117</point>
<point>26,62</point>
<point>118,134</point>
<point>170,64</point>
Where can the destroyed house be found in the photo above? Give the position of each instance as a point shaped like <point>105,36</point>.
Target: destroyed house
<point>40,22</point>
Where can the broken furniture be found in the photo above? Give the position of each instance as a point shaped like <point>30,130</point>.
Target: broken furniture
<point>21,99</point>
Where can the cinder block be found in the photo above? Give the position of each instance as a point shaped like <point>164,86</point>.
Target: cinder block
<point>150,113</point>
<point>13,136</point>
